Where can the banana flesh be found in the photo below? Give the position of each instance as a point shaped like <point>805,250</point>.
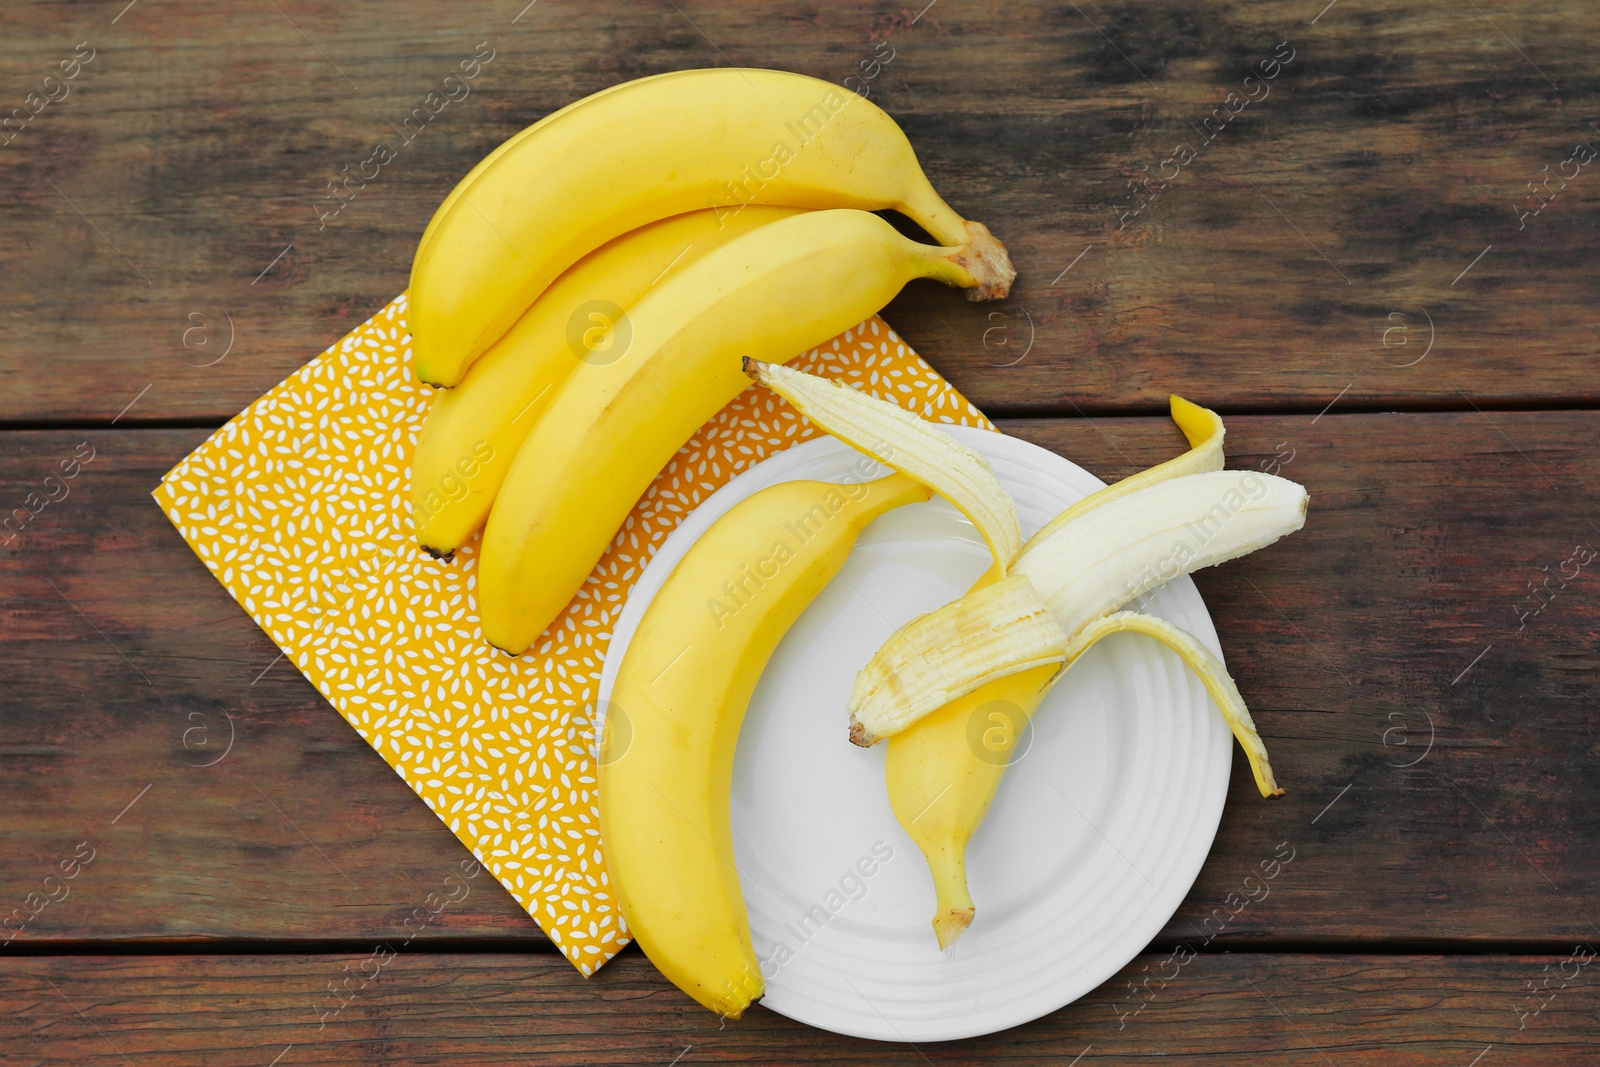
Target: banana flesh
<point>1127,546</point>
<point>1204,431</point>
<point>610,428</point>
<point>683,686</point>
<point>472,432</point>
<point>645,150</point>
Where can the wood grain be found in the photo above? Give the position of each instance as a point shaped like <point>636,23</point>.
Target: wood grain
<point>1359,240</point>
<point>209,1011</point>
<point>165,211</point>
<point>1348,639</point>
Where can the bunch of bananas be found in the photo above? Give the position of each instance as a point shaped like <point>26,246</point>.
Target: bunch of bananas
<point>585,294</point>
<point>586,300</point>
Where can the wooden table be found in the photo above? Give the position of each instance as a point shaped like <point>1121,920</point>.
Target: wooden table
<point>1352,266</point>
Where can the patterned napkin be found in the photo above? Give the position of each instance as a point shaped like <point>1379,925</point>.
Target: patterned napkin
<point>300,507</point>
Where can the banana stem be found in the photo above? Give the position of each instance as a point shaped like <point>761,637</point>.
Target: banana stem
<point>927,209</point>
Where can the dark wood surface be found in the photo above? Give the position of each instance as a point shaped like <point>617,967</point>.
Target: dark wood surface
<point>1441,750</point>
<point>1399,1011</point>
<point>1385,158</point>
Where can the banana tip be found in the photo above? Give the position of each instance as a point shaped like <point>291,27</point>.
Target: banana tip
<point>858,736</point>
<point>734,1007</point>
<point>757,371</point>
<point>445,554</point>
<point>949,927</point>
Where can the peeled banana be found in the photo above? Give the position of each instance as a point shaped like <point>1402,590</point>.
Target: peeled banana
<point>720,139</point>
<point>942,771</point>
<point>989,654</point>
<point>684,683</point>
<point>472,432</point>
<point>611,427</point>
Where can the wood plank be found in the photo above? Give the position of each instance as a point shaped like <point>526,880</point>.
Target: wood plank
<point>1423,733</point>
<point>1395,608</point>
<point>128,666</point>
<point>164,212</point>
<point>1399,1011</point>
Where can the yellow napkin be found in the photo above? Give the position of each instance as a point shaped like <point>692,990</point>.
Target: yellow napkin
<point>299,506</point>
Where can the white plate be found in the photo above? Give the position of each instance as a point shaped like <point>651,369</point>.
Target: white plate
<point>1095,836</point>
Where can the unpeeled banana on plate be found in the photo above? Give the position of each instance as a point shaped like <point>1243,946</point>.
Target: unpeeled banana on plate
<point>683,687</point>
<point>606,281</point>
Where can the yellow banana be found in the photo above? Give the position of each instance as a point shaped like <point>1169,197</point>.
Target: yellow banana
<point>642,151</point>
<point>472,432</point>
<point>682,689</point>
<point>465,184</point>
<point>611,427</point>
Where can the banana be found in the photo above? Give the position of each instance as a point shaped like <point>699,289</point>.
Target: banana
<point>683,686</point>
<point>610,428</point>
<point>472,432</point>
<point>642,151</point>
<point>942,771</point>
<point>943,768</point>
<point>954,689</point>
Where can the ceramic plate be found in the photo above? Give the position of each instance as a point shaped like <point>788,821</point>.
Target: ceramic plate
<point>1098,830</point>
